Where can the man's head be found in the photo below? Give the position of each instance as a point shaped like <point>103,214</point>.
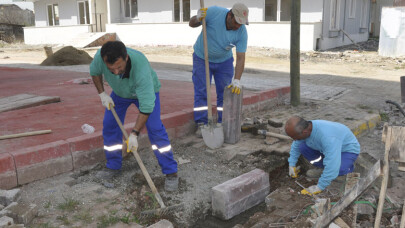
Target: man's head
<point>114,55</point>
<point>237,16</point>
<point>298,128</point>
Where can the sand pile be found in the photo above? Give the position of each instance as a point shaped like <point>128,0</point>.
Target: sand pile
<point>67,56</point>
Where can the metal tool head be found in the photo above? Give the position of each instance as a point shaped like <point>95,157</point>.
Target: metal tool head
<point>213,135</point>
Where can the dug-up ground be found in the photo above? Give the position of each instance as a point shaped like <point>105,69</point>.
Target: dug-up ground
<point>363,82</point>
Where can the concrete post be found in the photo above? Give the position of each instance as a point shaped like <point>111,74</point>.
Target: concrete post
<point>402,89</point>
<point>295,52</point>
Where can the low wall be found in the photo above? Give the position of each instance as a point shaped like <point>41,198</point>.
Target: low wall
<point>53,34</point>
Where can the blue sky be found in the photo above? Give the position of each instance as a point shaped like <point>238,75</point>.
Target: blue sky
<point>20,3</point>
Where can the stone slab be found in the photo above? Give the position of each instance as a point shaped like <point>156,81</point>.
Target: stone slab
<point>22,213</point>
<point>9,196</point>
<point>6,221</point>
<point>162,224</point>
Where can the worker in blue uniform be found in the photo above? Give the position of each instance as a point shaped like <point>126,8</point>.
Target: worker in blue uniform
<point>133,81</point>
<point>225,30</point>
<point>327,145</point>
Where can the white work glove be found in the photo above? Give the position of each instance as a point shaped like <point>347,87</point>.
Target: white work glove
<point>106,100</point>
<point>236,86</point>
<point>293,171</point>
<point>132,143</point>
<point>201,14</point>
<point>313,190</point>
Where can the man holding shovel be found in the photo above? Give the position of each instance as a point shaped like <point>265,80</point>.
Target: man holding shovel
<point>329,146</point>
<point>133,81</point>
<point>225,30</point>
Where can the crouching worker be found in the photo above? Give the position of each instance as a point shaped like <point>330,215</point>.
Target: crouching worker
<point>329,146</point>
<point>133,81</point>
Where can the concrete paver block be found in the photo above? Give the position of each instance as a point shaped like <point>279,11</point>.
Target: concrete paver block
<point>239,194</point>
<point>6,221</point>
<point>8,175</point>
<point>162,224</point>
<point>9,196</point>
<point>22,213</point>
<point>87,158</point>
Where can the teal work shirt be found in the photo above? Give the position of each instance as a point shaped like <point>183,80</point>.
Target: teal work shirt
<point>220,40</point>
<point>142,83</point>
<point>331,139</point>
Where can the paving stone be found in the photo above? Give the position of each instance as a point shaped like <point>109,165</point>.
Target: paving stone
<point>365,209</point>
<point>239,194</point>
<point>6,221</point>
<point>22,213</point>
<point>162,224</point>
<point>9,196</point>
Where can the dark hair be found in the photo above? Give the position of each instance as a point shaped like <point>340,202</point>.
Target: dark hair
<point>232,15</point>
<point>301,125</point>
<point>113,50</point>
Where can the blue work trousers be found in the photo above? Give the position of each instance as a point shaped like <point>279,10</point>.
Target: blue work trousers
<point>316,158</point>
<point>223,73</point>
<point>156,131</point>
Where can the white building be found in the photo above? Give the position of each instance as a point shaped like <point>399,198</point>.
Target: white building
<point>165,22</point>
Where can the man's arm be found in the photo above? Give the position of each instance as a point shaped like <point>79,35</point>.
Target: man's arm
<point>194,22</point>
<point>331,162</point>
<point>140,122</point>
<point>98,82</point>
<point>240,65</point>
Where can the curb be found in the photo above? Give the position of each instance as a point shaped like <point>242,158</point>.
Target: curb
<point>366,125</point>
<point>43,161</point>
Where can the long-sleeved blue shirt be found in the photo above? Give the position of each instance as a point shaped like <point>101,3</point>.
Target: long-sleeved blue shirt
<point>331,139</point>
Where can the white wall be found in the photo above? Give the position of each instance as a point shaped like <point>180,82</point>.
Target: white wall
<point>67,12</point>
<point>392,34</point>
<point>260,34</point>
<point>311,10</point>
<point>53,34</point>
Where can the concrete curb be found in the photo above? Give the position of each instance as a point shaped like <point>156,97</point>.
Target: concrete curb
<point>43,161</point>
<point>366,125</point>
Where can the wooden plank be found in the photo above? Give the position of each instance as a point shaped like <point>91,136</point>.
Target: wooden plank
<point>25,134</point>
<point>25,101</point>
<point>350,196</point>
<point>351,181</point>
<point>402,225</point>
<point>232,116</point>
<point>397,149</point>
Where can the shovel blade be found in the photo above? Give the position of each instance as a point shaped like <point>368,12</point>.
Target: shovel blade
<point>213,135</point>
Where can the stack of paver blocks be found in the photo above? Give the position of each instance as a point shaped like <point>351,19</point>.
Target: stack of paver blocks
<point>239,194</point>
<point>12,213</point>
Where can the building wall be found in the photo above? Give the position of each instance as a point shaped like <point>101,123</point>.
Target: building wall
<point>399,2</point>
<point>376,15</point>
<point>67,12</point>
<point>53,34</point>
<point>392,34</point>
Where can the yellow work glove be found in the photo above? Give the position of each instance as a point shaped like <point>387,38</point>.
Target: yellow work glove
<point>201,14</point>
<point>293,171</point>
<point>313,190</point>
<point>132,143</point>
<point>106,100</point>
<point>236,86</point>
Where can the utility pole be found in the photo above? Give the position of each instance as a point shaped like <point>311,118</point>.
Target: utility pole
<point>295,52</point>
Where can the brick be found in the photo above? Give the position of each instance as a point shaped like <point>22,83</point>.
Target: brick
<point>87,158</point>
<point>8,174</point>
<point>6,221</point>
<point>176,119</point>
<point>6,163</point>
<point>162,224</point>
<point>251,99</point>
<point>185,129</point>
<point>9,196</point>
<point>45,169</point>
<point>239,194</point>
<point>86,142</point>
<point>22,213</point>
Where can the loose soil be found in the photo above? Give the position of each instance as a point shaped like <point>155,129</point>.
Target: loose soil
<point>67,56</point>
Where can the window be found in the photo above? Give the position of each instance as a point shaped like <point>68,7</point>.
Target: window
<point>84,17</point>
<point>364,14</point>
<point>285,10</point>
<point>131,8</point>
<point>334,14</point>
<point>53,14</point>
<point>352,8</point>
<point>181,10</point>
<point>270,10</point>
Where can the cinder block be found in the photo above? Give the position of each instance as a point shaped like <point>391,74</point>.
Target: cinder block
<point>22,213</point>
<point>6,221</point>
<point>9,196</point>
<point>239,194</point>
<point>162,224</point>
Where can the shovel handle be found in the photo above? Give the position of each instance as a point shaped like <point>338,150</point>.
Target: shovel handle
<point>140,163</point>
<point>207,68</point>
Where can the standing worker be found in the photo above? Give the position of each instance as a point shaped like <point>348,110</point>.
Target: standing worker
<point>225,30</point>
<point>133,81</point>
<point>327,145</point>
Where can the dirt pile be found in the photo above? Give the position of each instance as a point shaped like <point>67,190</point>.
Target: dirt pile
<point>67,56</point>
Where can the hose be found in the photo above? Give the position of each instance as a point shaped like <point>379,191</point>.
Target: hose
<point>397,105</point>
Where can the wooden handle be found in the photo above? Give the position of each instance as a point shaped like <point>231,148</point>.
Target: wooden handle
<point>140,163</point>
<point>25,134</point>
<point>207,68</point>
<point>280,136</point>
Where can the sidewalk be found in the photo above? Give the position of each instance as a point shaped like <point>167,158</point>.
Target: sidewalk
<point>67,148</point>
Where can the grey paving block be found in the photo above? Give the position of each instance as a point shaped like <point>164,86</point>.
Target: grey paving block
<point>22,213</point>
<point>6,221</point>
<point>239,194</point>
<point>162,224</point>
<point>9,196</point>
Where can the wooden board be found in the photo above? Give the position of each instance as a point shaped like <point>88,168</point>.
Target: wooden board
<point>21,101</point>
<point>351,180</point>
<point>397,149</point>
<point>232,116</point>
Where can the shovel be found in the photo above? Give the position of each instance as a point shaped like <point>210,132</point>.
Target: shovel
<point>212,133</point>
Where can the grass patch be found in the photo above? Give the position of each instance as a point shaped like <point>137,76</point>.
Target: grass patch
<point>84,217</point>
<point>370,111</point>
<point>361,106</point>
<point>153,203</point>
<point>106,221</point>
<point>68,205</point>
<point>384,117</point>
<point>349,118</point>
<point>43,225</point>
<point>328,114</point>
<point>64,219</point>
<point>48,204</point>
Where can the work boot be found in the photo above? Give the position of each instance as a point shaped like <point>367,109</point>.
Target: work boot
<point>198,132</point>
<point>171,182</point>
<point>314,173</point>
<point>107,174</point>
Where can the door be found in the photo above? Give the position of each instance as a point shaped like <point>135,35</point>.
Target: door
<point>84,14</point>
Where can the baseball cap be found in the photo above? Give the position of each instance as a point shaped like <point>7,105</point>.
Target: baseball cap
<point>241,13</point>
